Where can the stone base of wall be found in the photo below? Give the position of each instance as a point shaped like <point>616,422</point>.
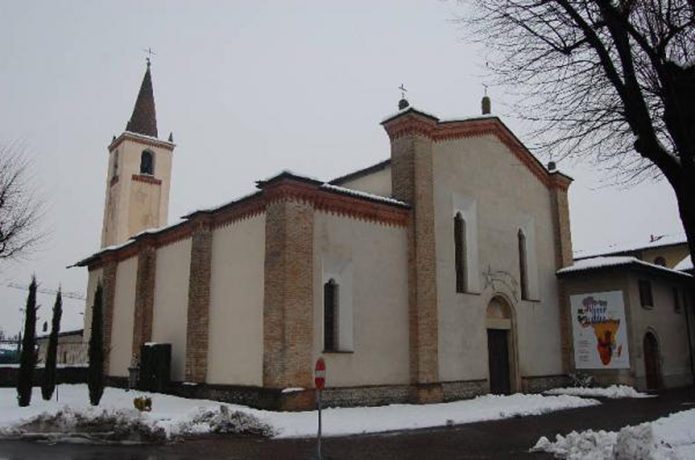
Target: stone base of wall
<point>539,384</point>
<point>366,396</point>
<point>464,389</point>
<point>9,374</point>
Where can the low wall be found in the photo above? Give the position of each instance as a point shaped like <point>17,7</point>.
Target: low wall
<point>69,374</point>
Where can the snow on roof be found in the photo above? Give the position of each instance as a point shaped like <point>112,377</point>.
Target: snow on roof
<point>685,264</point>
<point>324,185</point>
<point>615,261</point>
<point>362,194</point>
<point>407,109</point>
<point>156,139</point>
<point>656,242</point>
<point>467,118</point>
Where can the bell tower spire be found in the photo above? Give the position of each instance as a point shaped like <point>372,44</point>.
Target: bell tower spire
<point>144,117</point>
<point>139,173</point>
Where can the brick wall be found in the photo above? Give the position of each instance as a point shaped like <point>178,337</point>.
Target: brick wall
<point>144,298</point>
<point>412,182</point>
<point>109,293</point>
<point>288,311</point>
<point>198,304</point>
<point>563,258</point>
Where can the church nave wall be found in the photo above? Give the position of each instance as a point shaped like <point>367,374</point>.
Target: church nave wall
<point>171,302</point>
<point>369,263</point>
<point>235,350</point>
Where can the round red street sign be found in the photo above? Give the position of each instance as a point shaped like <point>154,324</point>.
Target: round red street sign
<point>320,374</point>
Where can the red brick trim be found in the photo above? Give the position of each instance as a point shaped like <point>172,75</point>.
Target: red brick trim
<point>147,179</point>
<point>325,200</point>
<point>332,202</point>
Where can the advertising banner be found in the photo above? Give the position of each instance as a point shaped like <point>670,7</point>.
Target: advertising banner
<point>600,331</point>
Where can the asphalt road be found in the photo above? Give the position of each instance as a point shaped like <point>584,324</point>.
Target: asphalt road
<point>503,439</point>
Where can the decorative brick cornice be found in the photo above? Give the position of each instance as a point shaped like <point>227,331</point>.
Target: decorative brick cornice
<point>329,201</point>
<point>142,139</point>
<point>285,188</point>
<point>559,180</point>
<point>411,123</point>
<point>147,179</point>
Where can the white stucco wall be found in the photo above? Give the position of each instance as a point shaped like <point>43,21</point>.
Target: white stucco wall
<point>373,259</point>
<point>668,326</point>
<point>170,310</point>
<point>378,183</point>
<point>123,311</point>
<point>507,197</point>
<point>131,206</point>
<point>235,350</point>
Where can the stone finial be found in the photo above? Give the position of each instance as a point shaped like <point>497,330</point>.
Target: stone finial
<point>552,166</point>
<point>403,104</point>
<point>171,137</point>
<point>487,105</point>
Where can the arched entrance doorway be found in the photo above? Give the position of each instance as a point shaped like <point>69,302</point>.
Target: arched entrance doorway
<point>500,346</point>
<point>652,369</point>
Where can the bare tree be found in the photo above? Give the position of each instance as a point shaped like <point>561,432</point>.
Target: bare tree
<point>614,79</point>
<point>21,209</point>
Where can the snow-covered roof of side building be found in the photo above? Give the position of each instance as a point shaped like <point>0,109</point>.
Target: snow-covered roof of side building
<point>630,246</point>
<point>685,264</point>
<point>597,263</point>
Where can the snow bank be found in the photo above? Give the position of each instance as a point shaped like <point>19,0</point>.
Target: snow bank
<point>671,437</point>
<point>588,445</point>
<point>613,392</point>
<point>176,416</point>
<point>117,419</point>
<point>356,420</point>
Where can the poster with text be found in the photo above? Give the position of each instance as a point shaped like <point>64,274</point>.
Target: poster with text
<point>600,331</point>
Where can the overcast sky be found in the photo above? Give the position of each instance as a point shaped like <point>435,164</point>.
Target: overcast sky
<point>248,88</point>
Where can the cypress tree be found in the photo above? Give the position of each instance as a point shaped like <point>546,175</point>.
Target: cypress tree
<point>27,358</point>
<point>96,350</point>
<point>49,374</point>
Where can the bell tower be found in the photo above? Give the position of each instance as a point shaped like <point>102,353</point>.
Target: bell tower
<point>139,173</point>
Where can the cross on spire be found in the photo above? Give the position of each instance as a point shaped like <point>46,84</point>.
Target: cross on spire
<point>403,91</point>
<point>150,53</point>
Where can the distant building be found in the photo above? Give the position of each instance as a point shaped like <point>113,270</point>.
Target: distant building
<point>71,350</point>
<point>665,250</point>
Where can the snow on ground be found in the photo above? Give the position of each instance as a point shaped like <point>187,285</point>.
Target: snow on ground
<point>671,438</point>
<point>613,392</point>
<point>355,420</point>
<point>181,416</point>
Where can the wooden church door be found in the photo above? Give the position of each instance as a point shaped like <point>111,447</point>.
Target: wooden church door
<point>651,361</point>
<point>498,356</point>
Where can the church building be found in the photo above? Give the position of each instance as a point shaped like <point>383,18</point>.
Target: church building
<point>431,276</point>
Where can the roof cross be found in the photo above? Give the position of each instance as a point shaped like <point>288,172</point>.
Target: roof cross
<point>403,91</point>
<point>151,53</point>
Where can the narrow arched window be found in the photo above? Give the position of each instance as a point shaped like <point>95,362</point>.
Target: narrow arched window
<point>147,163</point>
<point>330,316</point>
<point>460,253</point>
<point>115,164</point>
<point>523,265</point>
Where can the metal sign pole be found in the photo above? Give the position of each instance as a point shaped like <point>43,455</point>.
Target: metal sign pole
<point>318,445</point>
